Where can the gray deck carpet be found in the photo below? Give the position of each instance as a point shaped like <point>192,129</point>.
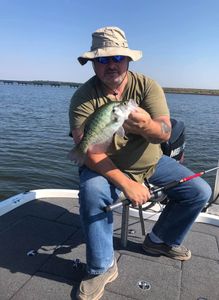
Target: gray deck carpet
<point>42,256</point>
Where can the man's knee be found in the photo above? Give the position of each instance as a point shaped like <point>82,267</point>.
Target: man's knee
<point>93,192</point>
<point>207,192</point>
<point>203,190</point>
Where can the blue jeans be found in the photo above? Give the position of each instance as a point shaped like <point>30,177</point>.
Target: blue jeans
<point>185,203</point>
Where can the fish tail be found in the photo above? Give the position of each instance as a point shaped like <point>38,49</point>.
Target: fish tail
<point>76,156</point>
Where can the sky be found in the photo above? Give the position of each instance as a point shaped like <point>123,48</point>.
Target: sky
<point>41,39</point>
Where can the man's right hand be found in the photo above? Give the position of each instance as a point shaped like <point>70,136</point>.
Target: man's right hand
<point>137,193</point>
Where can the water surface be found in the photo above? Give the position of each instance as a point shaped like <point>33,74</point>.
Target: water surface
<point>34,137</point>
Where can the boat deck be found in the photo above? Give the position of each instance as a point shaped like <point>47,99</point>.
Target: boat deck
<point>41,243</point>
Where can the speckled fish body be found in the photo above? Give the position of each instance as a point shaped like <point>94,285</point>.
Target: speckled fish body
<point>98,133</point>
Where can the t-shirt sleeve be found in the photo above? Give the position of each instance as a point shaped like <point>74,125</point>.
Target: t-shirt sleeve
<point>80,109</point>
<point>154,101</point>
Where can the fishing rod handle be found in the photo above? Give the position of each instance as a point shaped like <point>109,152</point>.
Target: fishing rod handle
<point>156,193</point>
<point>111,207</point>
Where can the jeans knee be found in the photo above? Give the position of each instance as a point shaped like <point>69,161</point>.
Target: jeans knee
<point>207,193</point>
<point>204,191</point>
<point>94,193</point>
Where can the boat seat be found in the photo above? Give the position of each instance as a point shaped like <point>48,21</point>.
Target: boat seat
<point>160,198</point>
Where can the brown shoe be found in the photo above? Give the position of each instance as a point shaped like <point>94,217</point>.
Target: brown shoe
<point>92,286</point>
<point>175,252</point>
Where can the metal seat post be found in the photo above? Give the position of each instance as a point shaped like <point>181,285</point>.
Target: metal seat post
<point>125,223</point>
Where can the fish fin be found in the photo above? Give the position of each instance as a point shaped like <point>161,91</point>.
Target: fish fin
<point>102,147</point>
<point>76,156</point>
<point>121,131</point>
<point>133,103</point>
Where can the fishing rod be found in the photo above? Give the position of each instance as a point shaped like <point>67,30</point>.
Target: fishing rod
<point>157,191</point>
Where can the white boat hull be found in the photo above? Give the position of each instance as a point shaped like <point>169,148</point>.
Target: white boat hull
<point>20,199</point>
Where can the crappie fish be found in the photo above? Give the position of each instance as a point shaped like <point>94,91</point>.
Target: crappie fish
<point>98,133</point>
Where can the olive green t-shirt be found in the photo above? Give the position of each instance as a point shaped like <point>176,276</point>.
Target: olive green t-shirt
<point>132,154</point>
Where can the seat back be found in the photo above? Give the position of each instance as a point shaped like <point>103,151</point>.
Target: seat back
<point>176,144</point>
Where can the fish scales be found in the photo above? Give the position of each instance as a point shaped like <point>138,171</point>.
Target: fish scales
<point>99,131</point>
<point>101,120</point>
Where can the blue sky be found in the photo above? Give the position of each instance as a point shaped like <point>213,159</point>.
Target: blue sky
<point>42,39</point>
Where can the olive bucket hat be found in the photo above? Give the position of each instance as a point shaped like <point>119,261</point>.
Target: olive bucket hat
<point>109,41</point>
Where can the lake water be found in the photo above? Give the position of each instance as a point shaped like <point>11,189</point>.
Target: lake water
<point>34,137</point>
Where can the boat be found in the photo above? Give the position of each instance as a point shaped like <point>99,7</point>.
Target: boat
<point>42,252</point>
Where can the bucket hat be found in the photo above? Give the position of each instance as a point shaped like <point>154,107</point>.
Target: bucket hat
<point>109,41</point>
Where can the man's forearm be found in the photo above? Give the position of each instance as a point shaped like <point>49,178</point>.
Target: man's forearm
<point>134,191</point>
<point>103,165</point>
<point>157,132</point>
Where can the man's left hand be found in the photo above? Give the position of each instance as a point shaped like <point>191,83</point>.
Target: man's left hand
<point>138,121</point>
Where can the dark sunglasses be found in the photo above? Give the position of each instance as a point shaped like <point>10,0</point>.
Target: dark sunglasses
<point>106,59</point>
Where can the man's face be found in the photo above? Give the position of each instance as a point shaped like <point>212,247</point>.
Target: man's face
<point>111,72</point>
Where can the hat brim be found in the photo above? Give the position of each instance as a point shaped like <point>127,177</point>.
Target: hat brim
<point>109,51</point>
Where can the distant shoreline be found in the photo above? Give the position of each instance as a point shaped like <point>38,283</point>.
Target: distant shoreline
<point>168,90</point>
<point>191,91</point>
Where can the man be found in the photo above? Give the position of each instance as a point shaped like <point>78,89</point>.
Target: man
<point>129,161</point>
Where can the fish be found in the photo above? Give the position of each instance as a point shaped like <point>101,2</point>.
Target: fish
<point>102,126</point>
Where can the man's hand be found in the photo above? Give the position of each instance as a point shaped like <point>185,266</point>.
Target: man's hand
<point>138,121</point>
<point>134,191</point>
<point>77,135</point>
<point>137,193</point>
<point>156,130</point>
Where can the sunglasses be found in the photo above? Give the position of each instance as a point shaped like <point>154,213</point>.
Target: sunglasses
<point>106,59</point>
